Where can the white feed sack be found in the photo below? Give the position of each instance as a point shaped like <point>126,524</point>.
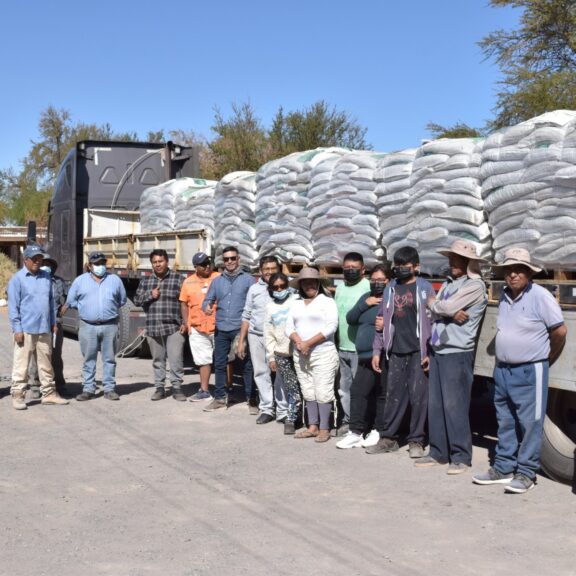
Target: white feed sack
<point>235,216</point>
<point>528,188</point>
<point>194,206</point>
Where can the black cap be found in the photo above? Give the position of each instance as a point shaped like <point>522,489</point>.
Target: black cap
<point>95,256</point>
<point>200,258</point>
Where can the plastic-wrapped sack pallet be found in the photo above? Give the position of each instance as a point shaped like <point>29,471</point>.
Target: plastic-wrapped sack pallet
<point>445,201</point>
<point>528,188</point>
<point>392,177</point>
<point>342,208</point>
<point>194,206</point>
<point>235,216</point>
<point>157,205</point>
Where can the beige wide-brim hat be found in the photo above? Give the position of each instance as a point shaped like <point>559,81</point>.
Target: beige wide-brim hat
<point>308,274</point>
<point>462,248</point>
<point>515,256</point>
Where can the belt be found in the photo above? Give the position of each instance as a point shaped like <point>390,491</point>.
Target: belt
<point>100,322</point>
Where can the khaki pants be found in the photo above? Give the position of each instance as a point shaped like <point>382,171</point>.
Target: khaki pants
<point>316,374</point>
<point>42,345</point>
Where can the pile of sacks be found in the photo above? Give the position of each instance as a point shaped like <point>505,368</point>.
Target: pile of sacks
<point>528,184</point>
<point>235,216</point>
<point>194,206</point>
<point>157,205</point>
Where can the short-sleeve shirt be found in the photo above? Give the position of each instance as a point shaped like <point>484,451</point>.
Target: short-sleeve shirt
<point>522,329</point>
<point>405,319</point>
<point>193,292</point>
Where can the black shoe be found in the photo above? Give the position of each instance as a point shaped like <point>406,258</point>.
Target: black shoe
<point>289,428</point>
<point>111,395</point>
<point>282,420</point>
<point>83,396</point>
<point>177,394</point>
<point>159,394</point>
<point>384,445</point>
<point>264,418</point>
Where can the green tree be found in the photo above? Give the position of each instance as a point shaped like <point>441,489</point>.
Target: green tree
<point>22,200</point>
<point>538,60</point>
<point>458,130</point>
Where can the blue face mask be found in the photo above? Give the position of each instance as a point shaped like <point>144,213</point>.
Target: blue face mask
<point>46,269</point>
<point>99,270</point>
<point>282,295</point>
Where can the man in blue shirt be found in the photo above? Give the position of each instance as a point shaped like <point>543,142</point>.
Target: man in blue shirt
<point>98,297</point>
<point>229,292</point>
<point>32,314</point>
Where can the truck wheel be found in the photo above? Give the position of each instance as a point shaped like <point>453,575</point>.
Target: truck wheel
<point>559,440</point>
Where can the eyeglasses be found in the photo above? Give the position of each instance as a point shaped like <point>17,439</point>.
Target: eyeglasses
<point>230,258</point>
<point>279,286</point>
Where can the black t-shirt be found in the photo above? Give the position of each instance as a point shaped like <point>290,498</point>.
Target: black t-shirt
<point>405,319</point>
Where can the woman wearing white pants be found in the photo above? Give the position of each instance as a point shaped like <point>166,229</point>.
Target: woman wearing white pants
<point>311,325</point>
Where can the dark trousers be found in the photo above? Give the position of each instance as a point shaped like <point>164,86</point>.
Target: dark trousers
<point>451,377</point>
<point>367,396</point>
<point>407,384</point>
<point>222,344</point>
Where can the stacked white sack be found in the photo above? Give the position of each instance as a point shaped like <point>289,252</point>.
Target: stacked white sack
<point>235,215</point>
<point>194,206</point>
<point>342,205</point>
<point>526,186</point>
<point>392,177</point>
<point>446,201</point>
<point>157,205</point>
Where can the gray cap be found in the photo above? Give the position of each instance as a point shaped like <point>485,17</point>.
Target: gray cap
<point>95,256</point>
<point>34,250</point>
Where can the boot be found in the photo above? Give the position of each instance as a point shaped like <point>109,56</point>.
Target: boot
<point>19,400</point>
<point>54,398</point>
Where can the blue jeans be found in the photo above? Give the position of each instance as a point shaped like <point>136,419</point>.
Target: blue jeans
<point>222,344</point>
<point>94,339</point>
<point>520,397</point>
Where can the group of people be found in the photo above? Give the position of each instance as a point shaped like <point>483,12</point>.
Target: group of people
<point>382,345</point>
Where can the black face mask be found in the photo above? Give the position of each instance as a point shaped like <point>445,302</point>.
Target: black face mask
<point>402,272</point>
<point>352,275</point>
<point>377,288</point>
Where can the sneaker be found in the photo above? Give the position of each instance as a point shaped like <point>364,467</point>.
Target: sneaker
<point>493,476</point>
<point>112,395</point>
<point>383,445</point>
<point>289,428</point>
<point>415,450</point>
<point>19,401</point>
<point>216,404</point>
<point>54,398</point>
<point>252,406</point>
<point>178,395</point>
<point>342,431</point>
<point>83,396</point>
<point>200,396</point>
<point>351,440</point>
<point>159,394</point>
<point>519,484</point>
<point>427,462</point>
<point>457,468</point>
<point>370,439</point>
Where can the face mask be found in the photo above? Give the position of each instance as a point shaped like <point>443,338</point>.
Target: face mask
<point>377,288</point>
<point>402,272</point>
<point>46,269</point>
<point>352,274</point>
<point>99,270</point>
<point>281,295</point>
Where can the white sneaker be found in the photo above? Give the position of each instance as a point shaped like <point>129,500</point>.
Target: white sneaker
<point>371,439</point>
<point>351,440</point>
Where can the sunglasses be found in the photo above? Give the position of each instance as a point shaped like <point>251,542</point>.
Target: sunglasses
<point>230,258</point>
<point>279,286</point>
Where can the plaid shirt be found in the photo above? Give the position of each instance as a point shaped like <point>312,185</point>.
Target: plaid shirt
<point>162,315</point>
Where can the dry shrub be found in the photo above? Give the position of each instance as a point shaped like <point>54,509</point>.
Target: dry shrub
<point>7,270</point>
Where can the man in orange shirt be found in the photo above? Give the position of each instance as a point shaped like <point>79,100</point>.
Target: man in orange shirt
<point>201,326</point>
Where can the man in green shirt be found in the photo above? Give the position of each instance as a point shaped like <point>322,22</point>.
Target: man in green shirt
<point>347,294</point>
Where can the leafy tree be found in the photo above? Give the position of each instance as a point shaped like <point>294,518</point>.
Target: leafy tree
<point>22,200</point>
<point>458,130</point>
<point>538,60</point>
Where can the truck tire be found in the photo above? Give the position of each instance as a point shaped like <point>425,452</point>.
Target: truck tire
<point>129,344</point>
<point>559,439</point>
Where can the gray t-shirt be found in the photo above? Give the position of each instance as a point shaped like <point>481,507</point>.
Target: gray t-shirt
<point>523,325</point>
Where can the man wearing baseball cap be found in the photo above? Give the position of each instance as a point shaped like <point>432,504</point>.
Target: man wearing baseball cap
<point>32,313</point>
<point>201,326</point>
<point>530,336</point>
<point>457,312</point>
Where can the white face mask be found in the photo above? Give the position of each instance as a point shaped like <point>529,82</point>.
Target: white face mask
<point>99,270</point>
<point>46,269</point>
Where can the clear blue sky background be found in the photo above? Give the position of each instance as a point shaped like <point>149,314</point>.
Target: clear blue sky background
<point>394,65</point>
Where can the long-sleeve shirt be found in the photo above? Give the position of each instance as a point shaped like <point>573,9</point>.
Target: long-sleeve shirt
<point>97,301</point>
<point>275,338</point>
<point>31,306</point>
<point>363,317</point>
<point>163,316</point>
<point>229,292</point>
<point>317,317</point>
<point>255,307</point>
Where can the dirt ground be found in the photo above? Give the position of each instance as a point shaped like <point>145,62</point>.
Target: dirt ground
<point>135,488</point>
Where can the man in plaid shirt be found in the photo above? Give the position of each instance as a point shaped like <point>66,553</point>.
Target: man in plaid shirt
<point>165,328</point>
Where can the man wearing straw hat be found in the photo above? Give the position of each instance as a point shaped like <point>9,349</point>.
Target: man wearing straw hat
<point>457,311</point>
<point>530,335</point>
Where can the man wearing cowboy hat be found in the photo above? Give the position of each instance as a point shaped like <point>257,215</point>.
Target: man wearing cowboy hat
<point>457,311</point>
<point>530,335</point>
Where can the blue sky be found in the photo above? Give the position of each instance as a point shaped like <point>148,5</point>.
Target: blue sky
<point>394,65</point>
